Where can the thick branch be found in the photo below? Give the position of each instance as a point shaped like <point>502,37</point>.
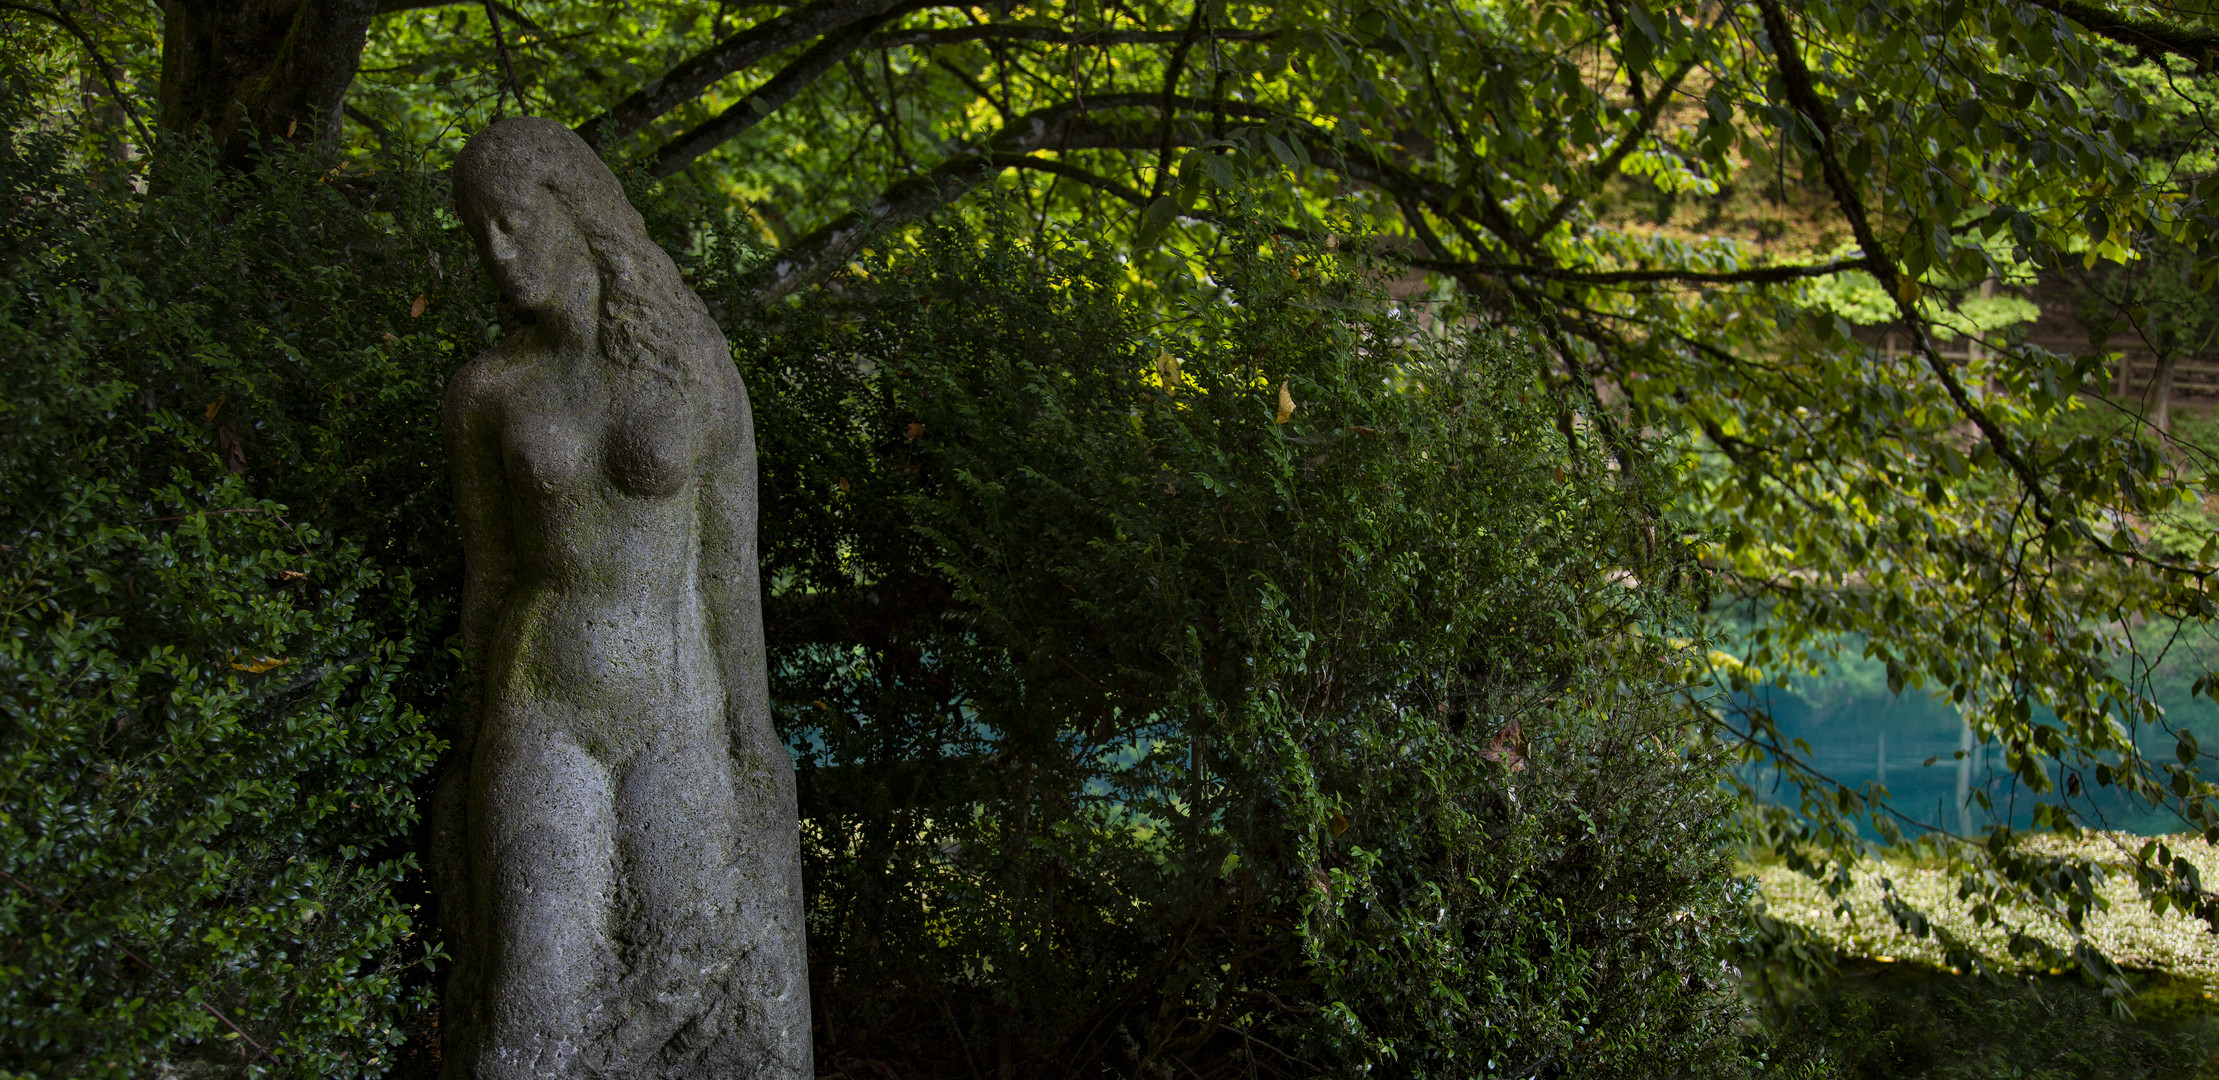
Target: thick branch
<point>1362,163</point>
<point>389,7</point>
<point>776,91</point>
<point>2199,47</point>
<point>812,256</point>
<point>1058,127</point>
<point>685,82</point>
<point>1069,126</point>
<point>1133,195</point>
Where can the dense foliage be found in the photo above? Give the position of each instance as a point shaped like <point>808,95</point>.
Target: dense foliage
<point>1267,690</point>
<point>1896,1024</point>
<point>1275,689</point>
<point>1696,206</point>
<point>1700,217</point>
<point>215,646</point>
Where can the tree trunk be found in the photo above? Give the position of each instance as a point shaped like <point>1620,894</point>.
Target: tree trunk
<point>2161,394</point>
<point>274,69</point>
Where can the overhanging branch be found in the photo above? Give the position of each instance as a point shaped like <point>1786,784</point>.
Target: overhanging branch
<point>1075,125</point>
<point>1054,167</point>
<point>697,73</point>
<point>776,91</point>
<point>1803,97</point>
<point>2199,47</point>
<point>92,52</point>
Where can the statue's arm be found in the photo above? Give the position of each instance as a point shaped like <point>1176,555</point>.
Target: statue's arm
<point>730,574</point>
<point>482,510</point>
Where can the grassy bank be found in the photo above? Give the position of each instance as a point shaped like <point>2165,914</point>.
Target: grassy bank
<point>1897,1010</point>
<point>2121,924</point>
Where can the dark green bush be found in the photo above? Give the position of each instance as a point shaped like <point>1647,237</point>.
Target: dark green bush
<point>1910,1024</point>
<point>218,482</point>
<point>1144,734</point>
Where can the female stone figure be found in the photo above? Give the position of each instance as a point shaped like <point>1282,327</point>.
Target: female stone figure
<point>618,847</point>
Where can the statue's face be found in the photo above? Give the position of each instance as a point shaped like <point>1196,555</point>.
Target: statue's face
<point>536,255</point>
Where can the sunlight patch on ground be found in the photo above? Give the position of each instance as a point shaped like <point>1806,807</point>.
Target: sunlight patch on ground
<point>2126,930</point>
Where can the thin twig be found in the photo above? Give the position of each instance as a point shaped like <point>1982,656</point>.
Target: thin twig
<point>501,45</point>
<point>99,63</point>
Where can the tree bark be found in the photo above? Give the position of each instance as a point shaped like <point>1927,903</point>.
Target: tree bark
<point>243,71</point>
<point>2161,394</point>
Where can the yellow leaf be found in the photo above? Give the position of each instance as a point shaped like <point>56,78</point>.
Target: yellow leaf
<point>292,127</point>
<point>1167,368</point>
<point>1286,405</point>
<point>416,310</point>
<point>262,665</point>
<point>214,407</point>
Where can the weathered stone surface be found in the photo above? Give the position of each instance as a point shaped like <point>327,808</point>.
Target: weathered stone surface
<point>617,850</point>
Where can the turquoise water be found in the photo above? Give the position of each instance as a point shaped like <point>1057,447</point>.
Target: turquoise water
<point>1917,745</point>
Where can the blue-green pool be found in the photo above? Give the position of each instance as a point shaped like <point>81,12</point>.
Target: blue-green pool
<point>1917,745</point>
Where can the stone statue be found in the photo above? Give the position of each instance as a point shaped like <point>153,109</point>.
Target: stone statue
<point>617,847</point>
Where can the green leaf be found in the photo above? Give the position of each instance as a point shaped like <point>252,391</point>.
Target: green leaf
<point>1220,167</point>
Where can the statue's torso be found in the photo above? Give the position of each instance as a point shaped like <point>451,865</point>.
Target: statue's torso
<point>607,614</point>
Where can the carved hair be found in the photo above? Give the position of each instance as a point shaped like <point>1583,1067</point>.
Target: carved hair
<point>647,312</point>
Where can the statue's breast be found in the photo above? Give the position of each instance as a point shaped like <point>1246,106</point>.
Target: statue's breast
<point>570,439</point>
<point>547,454</point>
<point>650,453</point>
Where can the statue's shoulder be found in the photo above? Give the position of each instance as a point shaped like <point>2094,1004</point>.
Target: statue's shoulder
<point>475,385</point>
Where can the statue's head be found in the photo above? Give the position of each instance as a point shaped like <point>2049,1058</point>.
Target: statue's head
<point>521,187</point>
<point>555,230</point>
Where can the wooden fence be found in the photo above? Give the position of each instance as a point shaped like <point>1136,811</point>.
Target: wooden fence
<point>2191,378</point>
<point>2128,375</point>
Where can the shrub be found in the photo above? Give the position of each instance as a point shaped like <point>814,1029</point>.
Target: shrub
<point>1151,729</point>
<point>1910,1024</point>
<point>221,509</point>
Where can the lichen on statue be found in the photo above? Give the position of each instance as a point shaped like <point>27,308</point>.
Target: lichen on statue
<point>616,845</point>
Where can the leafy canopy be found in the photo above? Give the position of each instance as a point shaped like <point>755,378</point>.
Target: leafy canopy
<point>1688,202</point>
